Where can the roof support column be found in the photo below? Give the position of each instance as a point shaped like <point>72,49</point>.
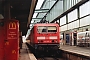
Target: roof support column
<point>7,10</point>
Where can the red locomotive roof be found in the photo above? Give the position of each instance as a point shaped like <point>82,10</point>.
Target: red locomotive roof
<point>46,24</point>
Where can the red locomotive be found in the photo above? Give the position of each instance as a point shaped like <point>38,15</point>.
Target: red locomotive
<point>45,36</point>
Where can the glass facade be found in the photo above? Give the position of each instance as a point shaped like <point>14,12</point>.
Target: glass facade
<point>73,25</point>
<point>55,11</point>
<point>85,21</point>
<point>77,18</point>
<point>85,9</point>
<point>48,4</point>
<point>72,15</point>
<point>63,20</point>
<point>63,28</point>
<point>69,18</point>
<point>76,21</point>
<point>69,3</point>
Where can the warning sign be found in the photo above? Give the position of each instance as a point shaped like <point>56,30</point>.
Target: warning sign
<point>12,35</point>
<point>12,30</point>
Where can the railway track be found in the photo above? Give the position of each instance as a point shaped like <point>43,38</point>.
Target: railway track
<point>46,55</point>
<point>49,58</point>
<point>62,55</point>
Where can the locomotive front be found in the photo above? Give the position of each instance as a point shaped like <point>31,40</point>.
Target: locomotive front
<point>46,37</point>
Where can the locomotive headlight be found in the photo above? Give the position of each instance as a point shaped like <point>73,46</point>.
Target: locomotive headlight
<point>53,37</point>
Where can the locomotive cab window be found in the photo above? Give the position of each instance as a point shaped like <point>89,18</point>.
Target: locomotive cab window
<point>44,29</point>
<point>52,29</point>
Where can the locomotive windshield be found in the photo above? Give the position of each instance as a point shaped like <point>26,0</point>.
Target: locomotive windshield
<point>44,29</point>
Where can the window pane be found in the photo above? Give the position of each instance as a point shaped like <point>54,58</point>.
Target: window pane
<point>75,24</point>
<point>85,9</point>
<point>52,29</point>
<point>88,27</point>
<point>72,15</point>
<point>85,28</point>
<point>80,30</point>
<point>70,25</point>
<point>63,20</point>
<point>44,29</point>
<point>63,28</point>
<point>85,21</point>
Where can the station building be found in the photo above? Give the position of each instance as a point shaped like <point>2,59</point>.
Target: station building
<point>71,15</point>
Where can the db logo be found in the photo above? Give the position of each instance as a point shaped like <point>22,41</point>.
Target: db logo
<point>12,25</point>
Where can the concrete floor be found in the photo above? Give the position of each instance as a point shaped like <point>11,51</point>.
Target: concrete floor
<point>75,49</point>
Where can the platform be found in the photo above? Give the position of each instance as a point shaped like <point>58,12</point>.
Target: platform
<point>77,50</point>
<point>25,53</point>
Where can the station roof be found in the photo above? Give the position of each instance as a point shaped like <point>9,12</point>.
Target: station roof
<point>21,10</point>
